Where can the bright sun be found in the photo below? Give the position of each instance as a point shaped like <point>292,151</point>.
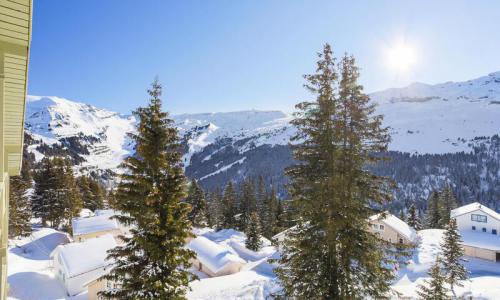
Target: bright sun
<point>401,57</point>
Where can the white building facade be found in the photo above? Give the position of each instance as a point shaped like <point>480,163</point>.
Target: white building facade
<point>479,228</point>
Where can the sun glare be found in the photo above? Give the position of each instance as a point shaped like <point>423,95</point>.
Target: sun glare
<point>401,57</point>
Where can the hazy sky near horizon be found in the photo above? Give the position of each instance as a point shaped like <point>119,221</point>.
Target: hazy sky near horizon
<point>236,55</point>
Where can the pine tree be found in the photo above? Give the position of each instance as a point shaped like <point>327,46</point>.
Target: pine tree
<point>279,225</point>
<point>19,201</point>
<point>196,200</point>
<point>68,194</point>
<point>229,207</point>
<point>331,255</point>
<point>447,202</point>
<point>42,196</point>
<point>261,198</point>
<point>435,288</point>
<point>247,203</point>
<point>97,192</point>
<point>86,194</point>
<point>413,219</point>
<point>215,209</point>
<point>152,263</point>
<point>91,192</point>
<point>433,212</point>
<point>56,198</point>
<point>453,256</point>
<point>253,233</point>
<point>269,217</point>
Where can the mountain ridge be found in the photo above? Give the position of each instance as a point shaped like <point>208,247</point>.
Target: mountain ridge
<point>424,119</point>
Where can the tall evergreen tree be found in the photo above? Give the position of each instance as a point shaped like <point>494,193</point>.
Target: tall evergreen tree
<point>196,200</point>
<point>413,218</point>
<point>280,215</point>
<point>434,289</point>
<point>42,196</point>
<point>152,263</point>
<point>86,194</point>
<point>261,198</point>
<point>269,217</point>
<point>56,198</point>
<point>453,256</point>
<point>215,209</point>
<point>433,212</point>
<point>98,192</point>
<point>247,203</point>
<point>331,255</point>
<point>253,233</point>
<point>447,202</point>
<point>19,201</point>
<point>67,194</point>
<point>229,209</point>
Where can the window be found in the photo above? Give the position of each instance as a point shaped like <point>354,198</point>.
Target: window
<point>494,231</point>
<point>479,218</point>
<point>400,241</point>
<point>473,227</point>
<point>484,229</point>
<point>381,227</point>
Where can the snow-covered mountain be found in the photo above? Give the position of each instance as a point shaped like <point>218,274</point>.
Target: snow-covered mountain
<point>441,118</point>
<point>96,135</point>
<point>425,119</point>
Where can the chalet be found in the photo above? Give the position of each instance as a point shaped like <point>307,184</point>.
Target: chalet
<point>479,228</point>
<point>95,226</point>
<point>392,229</point>
<point>213,259</point>
<point>76,264</point>
<point>15,38</point>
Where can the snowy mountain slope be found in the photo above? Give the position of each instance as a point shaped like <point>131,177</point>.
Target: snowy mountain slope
<point>441,118</point>
<point>97,139</point>
<point>101,134</point>
<point>258,127</point>
<point>432,119</point>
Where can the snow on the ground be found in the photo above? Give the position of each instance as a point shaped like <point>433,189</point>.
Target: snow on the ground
<point>30,275</point>
<point>484,280</point>
<point>256,281</point>
<point>29,271</point>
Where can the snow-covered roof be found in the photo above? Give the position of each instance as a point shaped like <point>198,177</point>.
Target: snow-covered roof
<point>46,240</point>
<point>79,258</point>
<point>212,255</point>
<point>481,240</point>
<point>85,212</point>
<point>397,224</point>
<point>93,224</point>
<point>473,207</point>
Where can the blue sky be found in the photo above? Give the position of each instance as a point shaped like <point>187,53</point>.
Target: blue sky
<point>237,55</point>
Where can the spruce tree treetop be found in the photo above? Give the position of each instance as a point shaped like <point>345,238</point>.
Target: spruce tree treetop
<point>453,254</point>
<point>253,241</point>
<point>332,255</point>
<point>229,209</point>
<point>434,289</point>
<point>153,262</point>
<point>196,199</point>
